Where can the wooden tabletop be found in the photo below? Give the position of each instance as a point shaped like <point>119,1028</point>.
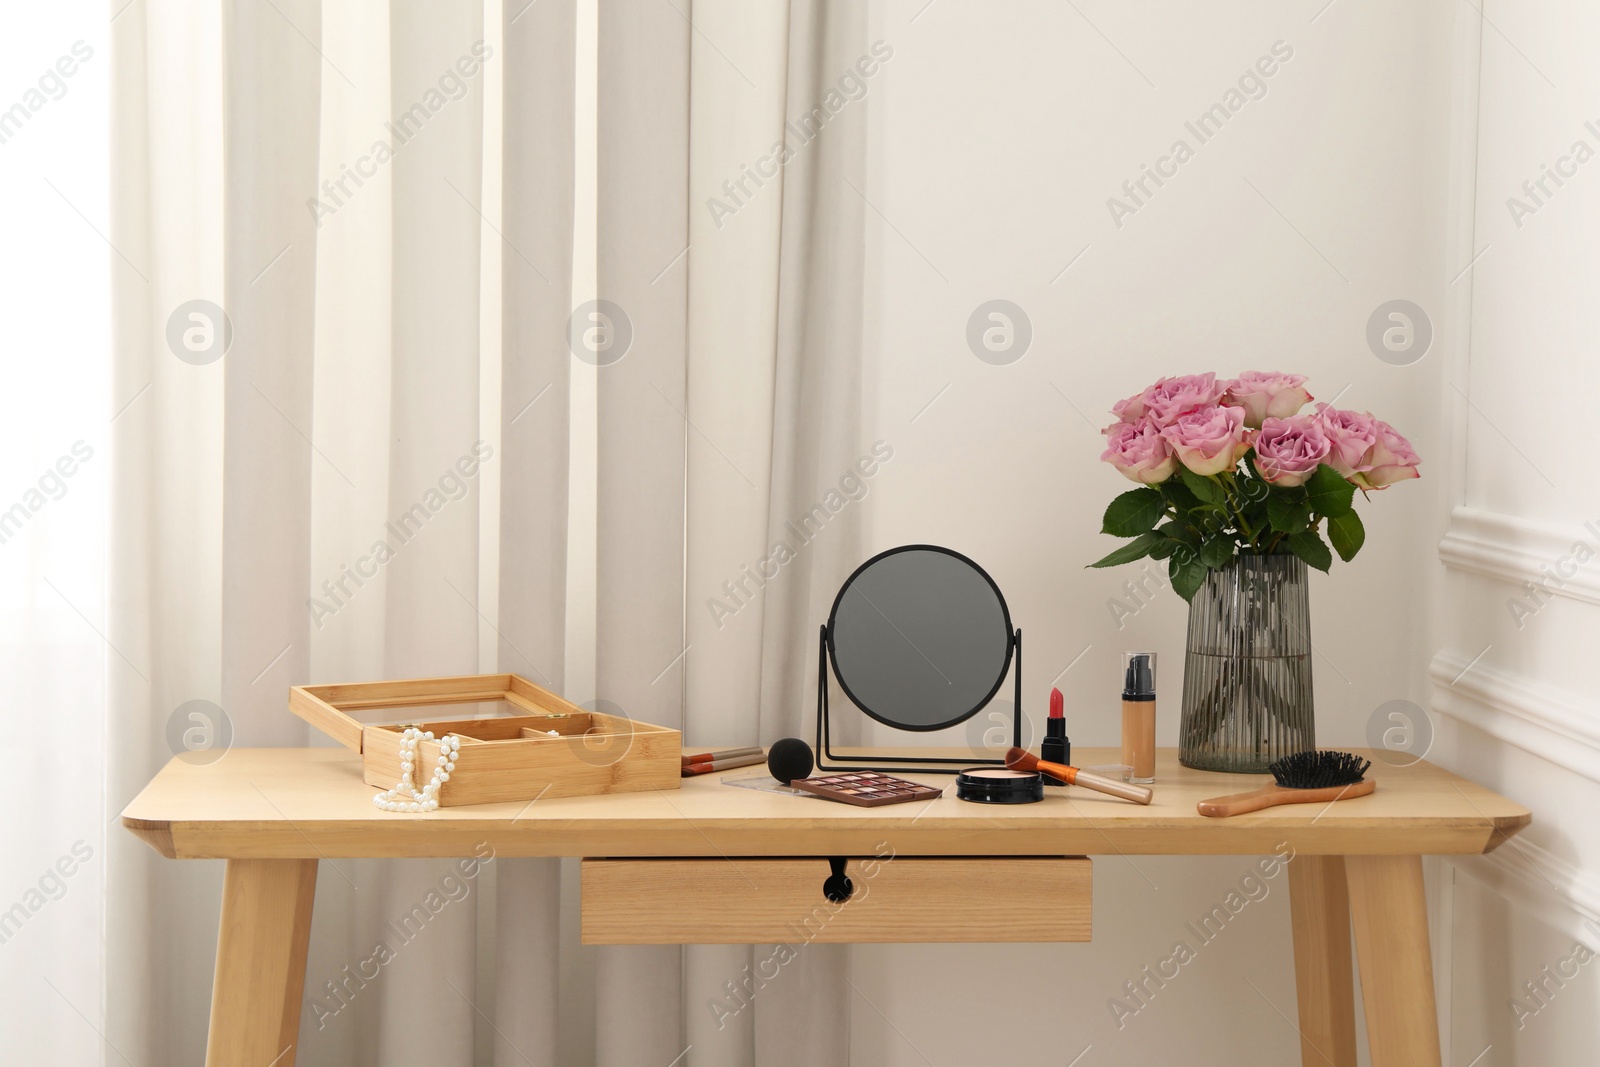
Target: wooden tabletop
<point>311,804</point>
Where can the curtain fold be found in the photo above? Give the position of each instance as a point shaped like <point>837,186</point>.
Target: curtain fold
<point>639,335</point>
<point>350,488</point>
<point>816,414</point>
<point>816,446</point>
<point>431,619</point>
<point>536,264</point>
<point>271,114</point>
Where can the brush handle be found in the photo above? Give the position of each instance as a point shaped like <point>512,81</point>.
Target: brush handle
<point>1139,794</point>
<point>721,754</point>
<point>689,770</point>
<point>1271,795</point>
<point>1098,782</point>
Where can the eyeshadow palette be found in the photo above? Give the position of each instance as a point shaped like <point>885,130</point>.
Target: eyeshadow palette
<point>867,789</point>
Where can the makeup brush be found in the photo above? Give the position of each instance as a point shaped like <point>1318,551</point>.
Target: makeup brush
<point>721,754</point>
<point>1308,777</point>
<point>1022,760</point>
<point>689,770</point>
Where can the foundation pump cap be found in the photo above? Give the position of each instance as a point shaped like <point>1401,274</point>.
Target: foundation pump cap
<point>1139,676</point>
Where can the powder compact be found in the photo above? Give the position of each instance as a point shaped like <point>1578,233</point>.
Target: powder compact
<point>999,785</point>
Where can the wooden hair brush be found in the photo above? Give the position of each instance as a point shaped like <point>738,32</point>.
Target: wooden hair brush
<point>1303,778</point>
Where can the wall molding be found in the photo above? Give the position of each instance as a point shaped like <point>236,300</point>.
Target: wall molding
<point>1553,724</point>
<point>1518,550</point>
<point>1539,882</point>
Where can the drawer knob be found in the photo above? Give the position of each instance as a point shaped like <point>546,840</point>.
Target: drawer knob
<point>838,886</point>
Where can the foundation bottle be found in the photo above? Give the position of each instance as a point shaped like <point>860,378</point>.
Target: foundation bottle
<point>1139,716</point>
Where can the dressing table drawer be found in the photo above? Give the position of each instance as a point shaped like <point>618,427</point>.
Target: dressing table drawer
<point>761,900</point>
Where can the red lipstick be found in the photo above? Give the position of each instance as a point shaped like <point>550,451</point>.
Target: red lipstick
<point>1055,748</point>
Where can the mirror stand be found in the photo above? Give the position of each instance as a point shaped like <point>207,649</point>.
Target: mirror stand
<point>828,760</point>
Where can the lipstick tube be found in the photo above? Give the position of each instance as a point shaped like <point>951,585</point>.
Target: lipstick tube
<point>1055,747</point>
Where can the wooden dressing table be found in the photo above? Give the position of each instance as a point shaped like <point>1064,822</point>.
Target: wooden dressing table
<point>756,863</point>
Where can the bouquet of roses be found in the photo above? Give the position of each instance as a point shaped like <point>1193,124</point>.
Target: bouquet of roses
<point>1232,467</point>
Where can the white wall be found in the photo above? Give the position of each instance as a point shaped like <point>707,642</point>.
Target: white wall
<point>1524,717</point>
<point>999,132</point>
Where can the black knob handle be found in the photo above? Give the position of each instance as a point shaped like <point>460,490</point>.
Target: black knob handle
<point>838,886</point>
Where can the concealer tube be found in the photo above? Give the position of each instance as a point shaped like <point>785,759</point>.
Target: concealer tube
<point>1139,716</point>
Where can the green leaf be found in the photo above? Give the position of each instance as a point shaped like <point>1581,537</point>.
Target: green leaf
<point>1287,514</point>
<point>1187,574</point>
<point>1179,494</point>
<point>1201,486</point>
<point>1210,533</point>
<point>1310,547</point>
<point>1217,551</point>
<point>1174,529</point>
<point>1164,548</point>
<point>1212,528</point>
<point>1252,488</point>
<point>1138,548</point>
<point>1181,538</point>
<point>1133,513</point>
<point>1347,534</point>
<point>1329,493</point>
<point>1256,516</point>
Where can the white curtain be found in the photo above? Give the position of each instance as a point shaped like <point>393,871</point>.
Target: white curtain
<point>380,198</point>
<point>55,419</point>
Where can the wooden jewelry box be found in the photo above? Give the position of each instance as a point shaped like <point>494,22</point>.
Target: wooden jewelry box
<point>518,741</point>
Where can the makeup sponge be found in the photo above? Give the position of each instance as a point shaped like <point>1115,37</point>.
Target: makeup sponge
<point>789,759</point>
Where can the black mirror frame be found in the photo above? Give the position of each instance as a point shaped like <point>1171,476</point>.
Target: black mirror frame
<point>826,656</point>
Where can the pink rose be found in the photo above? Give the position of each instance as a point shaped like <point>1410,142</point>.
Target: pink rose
<point>1138,450</point>
<point>1209,440</point>
<point>1171,397</point>
<point>1392,459</point>
<point>1288,451</point>
<point>1351,435</point>
<point>1266,395</point>
<point>1129,410</point>
<point>1366,450</point>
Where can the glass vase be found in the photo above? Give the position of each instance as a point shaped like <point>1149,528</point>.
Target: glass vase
<point>1247,667</point>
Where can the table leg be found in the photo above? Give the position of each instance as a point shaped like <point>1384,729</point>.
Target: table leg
<point>1390,913</point>
<point>261,963</point>
<point>1319,902</point>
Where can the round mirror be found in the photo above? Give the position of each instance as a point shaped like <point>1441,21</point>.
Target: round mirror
<point>920,638</point>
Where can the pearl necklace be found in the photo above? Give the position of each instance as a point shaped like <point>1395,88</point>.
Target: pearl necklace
<point>428,798</point>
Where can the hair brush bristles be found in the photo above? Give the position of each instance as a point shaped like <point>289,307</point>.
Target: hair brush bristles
<point>1319,770</point>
